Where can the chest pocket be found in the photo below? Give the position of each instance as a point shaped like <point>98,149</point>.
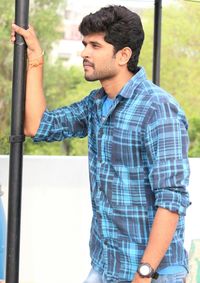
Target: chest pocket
<point>128,181</point>
<point>126,148</point>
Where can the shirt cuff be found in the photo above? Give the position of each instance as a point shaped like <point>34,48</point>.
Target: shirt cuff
<point>173,201</point>
<point>43,128</point>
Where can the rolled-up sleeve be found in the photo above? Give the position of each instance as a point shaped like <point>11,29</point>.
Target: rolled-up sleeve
<point>167,153</point>
<point>65,122</point>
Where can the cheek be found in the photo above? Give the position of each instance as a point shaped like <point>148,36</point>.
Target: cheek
<point>104,60</point>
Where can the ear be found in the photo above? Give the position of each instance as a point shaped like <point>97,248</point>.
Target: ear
<point>124,56</point>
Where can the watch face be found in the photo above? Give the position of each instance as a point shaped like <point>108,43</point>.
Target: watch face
<point>145,270</point>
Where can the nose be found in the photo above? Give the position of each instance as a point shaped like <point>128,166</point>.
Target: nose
<point>83,53</point>
<point>86,52</point>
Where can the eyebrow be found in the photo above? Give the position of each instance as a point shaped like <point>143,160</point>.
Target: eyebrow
<point>91,42</point>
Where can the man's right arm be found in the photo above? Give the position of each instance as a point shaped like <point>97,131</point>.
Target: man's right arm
<point>35,100</point>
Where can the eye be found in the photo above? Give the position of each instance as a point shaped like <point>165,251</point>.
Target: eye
<point>95,45</point>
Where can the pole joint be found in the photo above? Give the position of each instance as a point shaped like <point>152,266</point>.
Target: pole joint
<point>17,138</point>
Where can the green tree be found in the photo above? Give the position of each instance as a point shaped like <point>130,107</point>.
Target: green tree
<point>180,67</point>
<point>62,86</point>
<point>47,22</point>
<point>180,64</point>
<point>6,12</point>
<point>52,21</point>
<point>195,136</point>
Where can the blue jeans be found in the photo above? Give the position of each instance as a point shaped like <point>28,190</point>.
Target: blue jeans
<point>95,277</point>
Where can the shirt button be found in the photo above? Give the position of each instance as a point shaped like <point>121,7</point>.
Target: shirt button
<point>106,242</point>
<point>99,214</point>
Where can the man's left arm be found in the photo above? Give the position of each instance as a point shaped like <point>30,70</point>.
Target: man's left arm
<point>163,229</point>
<point>167,154</point>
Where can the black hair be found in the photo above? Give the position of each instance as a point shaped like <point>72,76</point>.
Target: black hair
<point>122,28</point>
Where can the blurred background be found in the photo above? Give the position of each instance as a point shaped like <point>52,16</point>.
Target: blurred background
<point>56,23</point>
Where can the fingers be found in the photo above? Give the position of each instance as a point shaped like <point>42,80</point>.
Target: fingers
<point>12,39</point>
<point>16,29</point>
<point>30,38</point>
<point>26,33</point>
<point>19,30</point>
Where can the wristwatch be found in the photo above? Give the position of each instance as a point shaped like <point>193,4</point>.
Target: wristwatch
<point>146,271</point>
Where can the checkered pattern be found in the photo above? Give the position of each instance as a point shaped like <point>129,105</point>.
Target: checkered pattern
<point>137,162</point>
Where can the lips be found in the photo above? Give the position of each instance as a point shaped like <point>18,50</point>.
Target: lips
<point>86,63</point>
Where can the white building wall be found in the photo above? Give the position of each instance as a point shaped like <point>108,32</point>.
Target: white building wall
<point>56,215</point>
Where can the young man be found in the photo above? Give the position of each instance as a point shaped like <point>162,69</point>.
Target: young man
<point>138,144</point>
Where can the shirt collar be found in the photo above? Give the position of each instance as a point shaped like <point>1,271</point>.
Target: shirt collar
<point>128,90</point>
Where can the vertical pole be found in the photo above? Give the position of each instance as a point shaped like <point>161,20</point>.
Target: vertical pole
<point>16,145</point>
<point>157,41</point>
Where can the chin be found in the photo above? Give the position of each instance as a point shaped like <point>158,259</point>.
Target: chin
<point>90,79</point>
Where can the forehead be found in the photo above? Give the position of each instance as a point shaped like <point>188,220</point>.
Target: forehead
<point>95,37</point>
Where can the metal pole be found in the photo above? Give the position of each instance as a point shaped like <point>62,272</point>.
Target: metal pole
<point>16,145</point>
<point>157,41</point>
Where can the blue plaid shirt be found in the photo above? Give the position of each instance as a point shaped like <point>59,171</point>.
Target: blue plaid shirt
<point>137,163</point>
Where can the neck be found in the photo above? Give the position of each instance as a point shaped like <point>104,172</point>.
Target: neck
<point>113,86</point>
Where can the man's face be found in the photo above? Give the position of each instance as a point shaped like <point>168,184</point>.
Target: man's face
<point>99,60</point>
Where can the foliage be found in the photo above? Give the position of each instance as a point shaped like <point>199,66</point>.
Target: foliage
<point>180,64</point>
<point>195,136</point>
<point>6,12</point>
<point>62,86</point>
